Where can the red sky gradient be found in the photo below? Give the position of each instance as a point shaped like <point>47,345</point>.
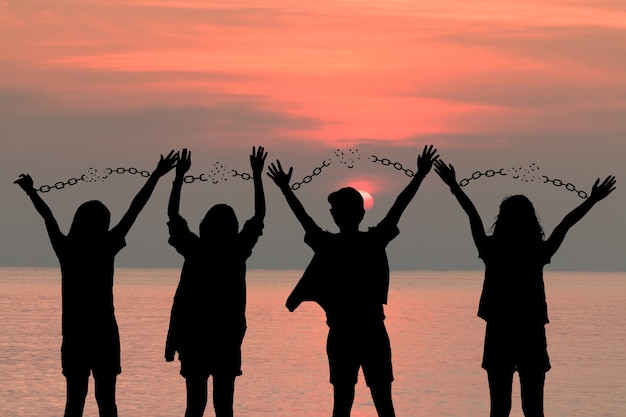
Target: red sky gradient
<point>362,70</point>
<point>94,81</point>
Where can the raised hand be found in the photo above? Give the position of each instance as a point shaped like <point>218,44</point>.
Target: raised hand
<point>257,160</point>
<point>446,172</point>
<point>184,163</point>
<point>166,164</point>
<point>426,159</point>
<point>278,174</point>
<point>25,182</point>
<point>603,189</point>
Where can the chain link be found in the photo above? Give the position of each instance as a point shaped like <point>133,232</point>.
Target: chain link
<point>132,171</point>
<point>90,176</point>
<point>243,175</point>
<point>219,173</point>
<point>397,165</point>
<point>477,174</point>
<point>568,186</point>
<point>308,178</point>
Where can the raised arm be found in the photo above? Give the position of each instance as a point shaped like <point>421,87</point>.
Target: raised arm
<point>26,183</point>
<point>281,179</point>
<point>424,164</point>
<point>182,166</point>
<point>447,174</point>
<point>257,162</point>
<point>163,167</point>
<point>599,191</point>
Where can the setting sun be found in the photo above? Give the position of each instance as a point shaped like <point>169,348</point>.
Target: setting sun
<point>368,200</point>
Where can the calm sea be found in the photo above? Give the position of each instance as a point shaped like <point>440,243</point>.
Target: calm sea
<point>435,334</point>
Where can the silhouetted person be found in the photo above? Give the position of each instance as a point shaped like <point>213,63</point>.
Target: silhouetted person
<point>349,278</point>
<point>91,341</point>
<point>208,320</point>
<point>513,299</point>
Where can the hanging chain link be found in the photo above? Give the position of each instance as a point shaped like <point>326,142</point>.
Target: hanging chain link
<point>348,158</point>
<point>133,171</point>
<point>308,178</point>
<point>90,176</point>
<point>568,186</point>
<point>243,175</point>
<point>476,175</point>
<point>397,165</point>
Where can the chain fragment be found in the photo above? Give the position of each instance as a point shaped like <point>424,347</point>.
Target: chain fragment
<point>396,165</point>
<point>568,186</point>
<point>477,174</point>
<point>308,178</point>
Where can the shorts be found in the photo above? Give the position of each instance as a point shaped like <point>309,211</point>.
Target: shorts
<point>515,348</point>
<point>80,357</point>
<point>366,347</point>
<point>201,360</point>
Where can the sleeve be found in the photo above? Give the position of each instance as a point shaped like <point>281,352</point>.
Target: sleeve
<point>249,235</point>
<point>117,241</point>
<point>384,233</point>
<point>181,238</point>
<point>315,238</point>
<point>484,250</point>
<point>546,255</point>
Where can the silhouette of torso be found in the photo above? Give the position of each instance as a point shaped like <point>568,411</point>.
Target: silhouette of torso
<point>87,286</point>
<point>348,275</point>
<point>210,301</point>
<point>513,289</point>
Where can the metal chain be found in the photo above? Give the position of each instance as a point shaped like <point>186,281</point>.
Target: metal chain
<point>476,175</point>
<point>219,173</point>
<point>397,165</point>
<point>90,176</point>
<point>243,175</point>
<point>308,178</point>
<point>132,171</point>
<point>568,186</point>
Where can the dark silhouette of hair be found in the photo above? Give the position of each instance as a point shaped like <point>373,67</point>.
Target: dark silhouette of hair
<point>220,222</point>
<point>346,206</point>
<point>517,222</point>
<point>92,219</point>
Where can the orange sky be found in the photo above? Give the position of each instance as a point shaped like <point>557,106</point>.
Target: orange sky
<point>375,70</point>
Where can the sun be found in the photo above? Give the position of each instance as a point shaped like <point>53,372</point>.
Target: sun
<point>368,200</point>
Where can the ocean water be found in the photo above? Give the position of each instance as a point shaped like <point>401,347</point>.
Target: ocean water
<point>431,317</point>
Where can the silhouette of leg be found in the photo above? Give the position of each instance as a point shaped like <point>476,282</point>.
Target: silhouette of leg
<point>531,387</point>
<point>105,394</point>
<point>76,393</point>
<point>196,396</point>
<point>381,394</point>
<point>223,393</point>
<point>344,397</point>
<point>500,387</point>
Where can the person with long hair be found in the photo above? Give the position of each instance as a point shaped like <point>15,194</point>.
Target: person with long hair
<point>513,300</point>
<point>91,341</point>
<point>208,321</point>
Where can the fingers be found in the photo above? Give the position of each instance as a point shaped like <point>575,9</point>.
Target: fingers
<point>258,153</point>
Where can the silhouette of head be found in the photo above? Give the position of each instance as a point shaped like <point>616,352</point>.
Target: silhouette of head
<point>517,221</point>
<point>92,219</point>
<point>346,207</point>
<point>219,222</point>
